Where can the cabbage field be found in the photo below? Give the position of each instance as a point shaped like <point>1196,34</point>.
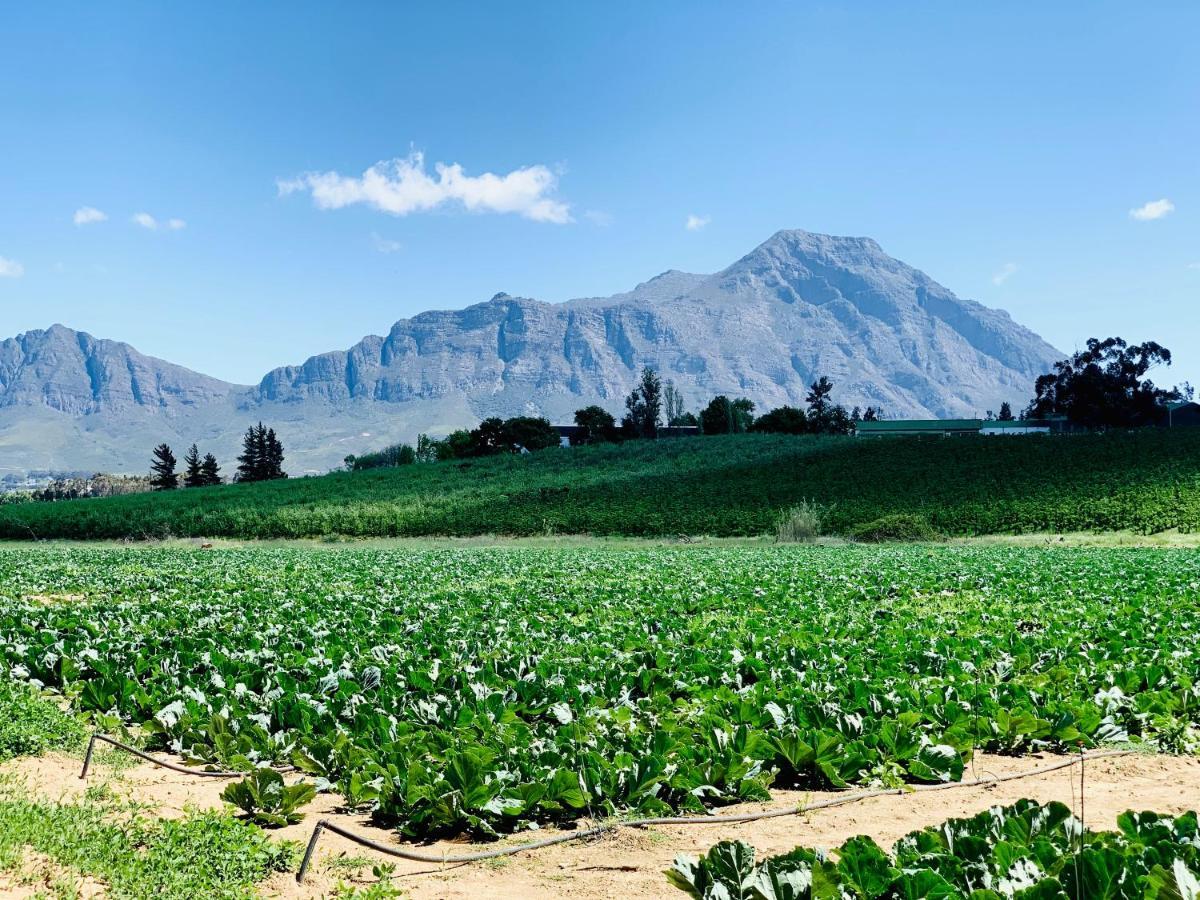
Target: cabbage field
<point>486,690</point>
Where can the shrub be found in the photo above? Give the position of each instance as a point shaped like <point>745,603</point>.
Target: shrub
<point>800,524</point>
<point>896,527</point>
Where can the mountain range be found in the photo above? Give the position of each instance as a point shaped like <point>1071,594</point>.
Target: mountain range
<point>798,306</point>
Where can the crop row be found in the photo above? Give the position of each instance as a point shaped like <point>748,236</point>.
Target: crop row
<point>489,689</point>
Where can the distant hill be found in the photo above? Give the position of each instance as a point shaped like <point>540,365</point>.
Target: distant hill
<point>1145,480</point>
<point>798,306</point>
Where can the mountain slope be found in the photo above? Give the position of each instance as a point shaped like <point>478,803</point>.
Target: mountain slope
<point>798,306</point>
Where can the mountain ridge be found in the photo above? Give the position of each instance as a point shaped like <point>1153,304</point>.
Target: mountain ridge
<point>797,306</point>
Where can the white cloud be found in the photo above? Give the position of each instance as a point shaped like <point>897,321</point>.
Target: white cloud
<point>150,223</point>
<point>385,245</point>
<point>1006,272</point>
<point>695,223</point>
<point>10,268</point>
<point>402,186</point>
<point>1155,209</point>
<point>86,215</point>
<point>598,217</point>
<point>1195,265</point>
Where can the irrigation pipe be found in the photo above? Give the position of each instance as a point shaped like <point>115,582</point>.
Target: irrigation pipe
<point>596,831</point>
<point>87,760</point>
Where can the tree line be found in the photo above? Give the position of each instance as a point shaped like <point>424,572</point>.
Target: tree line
<point>653,403</point>
<point>261,460</point>
<point>651,406</point>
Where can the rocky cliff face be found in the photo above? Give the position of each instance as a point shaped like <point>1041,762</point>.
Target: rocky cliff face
<point>798,306</point>
<point>76,374</point>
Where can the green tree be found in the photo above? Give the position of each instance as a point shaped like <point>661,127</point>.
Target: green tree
<point>426,449</point>
<point>530,433</point>
<point>210,470</point>
<point>272,466</point>
<point>782,420</point>
<point>1104,386</point>
<point>1006,413</point>
<point>192,474</point>
<point>598,424</point>
<point>644,406</point>
<point>254,451</point>
<point>162,469</point>
<point>725,416</point>
<point>673,403</point>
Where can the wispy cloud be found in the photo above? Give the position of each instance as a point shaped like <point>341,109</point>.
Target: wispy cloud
<point>695,223</point>
<point>1155,209</point>
<point>599,217</point>
<point>1195,265</point>
<point>150,223</point>
<point>403,186</point>
<point>10,268</point>
<point>385,245</point>
<point>1006,272</point>
<point>86,215</point>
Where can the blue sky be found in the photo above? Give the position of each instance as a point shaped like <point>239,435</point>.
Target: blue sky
<point>1001,148</point>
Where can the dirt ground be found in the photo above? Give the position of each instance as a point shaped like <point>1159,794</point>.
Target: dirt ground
<point>629,862</point>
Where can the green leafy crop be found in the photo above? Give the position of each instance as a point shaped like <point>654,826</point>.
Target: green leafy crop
<point>489,690</point>
<point>267,799</point>
<point>1021,852</point>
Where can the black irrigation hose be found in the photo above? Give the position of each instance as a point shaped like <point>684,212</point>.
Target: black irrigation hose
<point>87,760</point>
<point>326,825</point>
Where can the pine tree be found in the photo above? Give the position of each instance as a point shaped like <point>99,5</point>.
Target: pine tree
<point>250,463</point>
<point>1006,413</point>
<point>192,476</point>
<point>162,469</point>
<point>272,456</point>
<point>209,470</point>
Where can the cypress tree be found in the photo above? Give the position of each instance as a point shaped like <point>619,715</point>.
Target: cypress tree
<point>192,476</point>
<point>209,470</point>
<point>162,469</point>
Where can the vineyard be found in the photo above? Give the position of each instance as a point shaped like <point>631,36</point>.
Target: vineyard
<point>485,691</point>
<point>1146,481</point>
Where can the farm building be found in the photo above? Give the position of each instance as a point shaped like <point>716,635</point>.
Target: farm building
<point>573,434</point>
<point>1182,413</point>
<point>927,427</point>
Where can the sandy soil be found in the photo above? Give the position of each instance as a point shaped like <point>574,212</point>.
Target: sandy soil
<point>629,862</point>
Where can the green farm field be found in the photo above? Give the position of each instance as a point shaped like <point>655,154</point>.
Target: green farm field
<point>482,691</point>
<point>1144,481</point>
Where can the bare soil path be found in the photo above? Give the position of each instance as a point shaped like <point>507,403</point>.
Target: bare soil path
<point>629,862</point>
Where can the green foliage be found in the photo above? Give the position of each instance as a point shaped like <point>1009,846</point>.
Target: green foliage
<point>487,690</point>
<point>388,457</point>
<point>725,416</point>
<point>162,469</point>
<point>1025,851</point>
<point>598,424</point>
<point>896,527</point>
<point>800,524</point>
<point>1105,386</point>
<point>1146,481</point>
<point>201,855</point>
<point>31,724</point>
<point>782,420</point>
<point>267,799</point>
<point>643,407</point>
